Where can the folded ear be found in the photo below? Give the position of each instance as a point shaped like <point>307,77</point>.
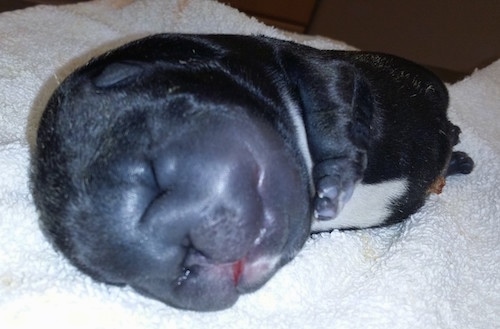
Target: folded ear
<point>118,73</point>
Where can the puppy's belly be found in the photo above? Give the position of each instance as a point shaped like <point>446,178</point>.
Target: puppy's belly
<point>370,205</point>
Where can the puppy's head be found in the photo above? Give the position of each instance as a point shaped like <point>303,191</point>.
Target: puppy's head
<point>143,179</point>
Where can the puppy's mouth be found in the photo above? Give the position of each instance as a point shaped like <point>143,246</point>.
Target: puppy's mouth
<point>238,268</point>
<point>247,273</point>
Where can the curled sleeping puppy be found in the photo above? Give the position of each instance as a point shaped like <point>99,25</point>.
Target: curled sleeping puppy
<point>192,167</point>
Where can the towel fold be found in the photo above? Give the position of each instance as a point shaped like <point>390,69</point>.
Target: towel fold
<point>439,269</point>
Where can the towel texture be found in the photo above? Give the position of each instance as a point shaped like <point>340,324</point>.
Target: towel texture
<point>439,269</point>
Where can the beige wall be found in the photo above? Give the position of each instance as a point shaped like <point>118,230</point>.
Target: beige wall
<point>457,35</point>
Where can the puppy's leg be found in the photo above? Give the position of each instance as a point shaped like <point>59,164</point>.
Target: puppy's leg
<point>460,163</point>
<point>339,131</point>
<point>455,134</point>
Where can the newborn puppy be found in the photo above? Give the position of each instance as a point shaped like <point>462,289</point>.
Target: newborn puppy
<point>189,166</point>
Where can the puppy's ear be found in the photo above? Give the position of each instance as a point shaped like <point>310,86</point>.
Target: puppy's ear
<point>118,74</point>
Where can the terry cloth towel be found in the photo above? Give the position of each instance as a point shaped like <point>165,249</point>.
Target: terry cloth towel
<point>439,269</point>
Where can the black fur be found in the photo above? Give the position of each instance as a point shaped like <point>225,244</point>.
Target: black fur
<point>176,165</point>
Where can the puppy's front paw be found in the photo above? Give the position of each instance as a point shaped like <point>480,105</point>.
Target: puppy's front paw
<point>331,196</point>
<point>335,184</point>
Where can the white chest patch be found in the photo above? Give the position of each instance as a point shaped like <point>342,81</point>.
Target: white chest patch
<point>300,131</point>
<point>368,206</point>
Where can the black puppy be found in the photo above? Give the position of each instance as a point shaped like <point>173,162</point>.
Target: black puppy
<point>189,166</point>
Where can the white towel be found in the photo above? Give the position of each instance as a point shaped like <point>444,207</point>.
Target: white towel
<point>440,269</point>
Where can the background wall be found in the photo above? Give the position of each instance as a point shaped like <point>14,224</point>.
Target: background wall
<point>452,37</point>
<point>455,35</point>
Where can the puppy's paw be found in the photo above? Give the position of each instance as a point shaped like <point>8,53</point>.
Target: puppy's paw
<point>335,186</point>
<point>460,163</point>
<point>331,196</point>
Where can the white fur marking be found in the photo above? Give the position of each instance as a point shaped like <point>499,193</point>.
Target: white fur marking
<point>300,131</point>
<point>368,206</point>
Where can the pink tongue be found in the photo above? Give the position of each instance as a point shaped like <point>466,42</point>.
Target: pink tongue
<point>237,271</point>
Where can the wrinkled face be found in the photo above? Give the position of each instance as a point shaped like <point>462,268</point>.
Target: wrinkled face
<point>192,214</point>
<point>229,211</point>
<point>169,179</point>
